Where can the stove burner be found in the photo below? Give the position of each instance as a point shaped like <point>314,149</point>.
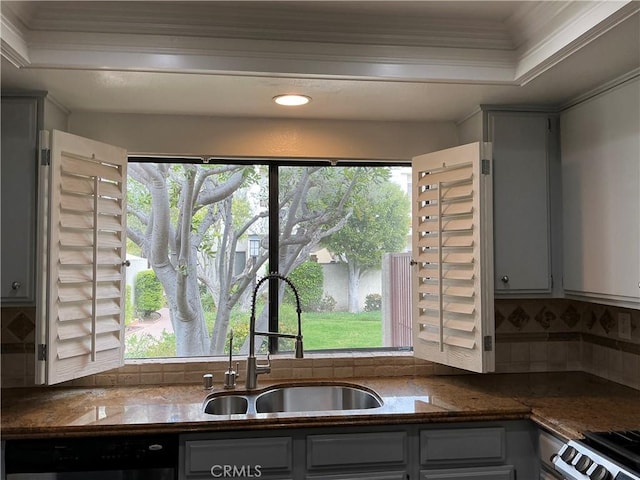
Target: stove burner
<point>621,446</point>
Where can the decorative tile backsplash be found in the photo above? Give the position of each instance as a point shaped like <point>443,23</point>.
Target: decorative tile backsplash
<point>566,335</point>
<point>536,335</point>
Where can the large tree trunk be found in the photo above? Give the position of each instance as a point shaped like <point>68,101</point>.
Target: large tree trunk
<point>187,315</point>
<point>354,287</point>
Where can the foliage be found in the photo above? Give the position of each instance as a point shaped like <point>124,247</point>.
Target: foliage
<point>379,224</point>
<point>208,302</point>
<point>308,278</point>
<point>128,306</point>
<point>373,302</point>
<point>147,346</point>
<point>148,293</point>
<point>327,304</point>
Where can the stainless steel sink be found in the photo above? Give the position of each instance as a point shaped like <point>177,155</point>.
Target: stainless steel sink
<point>306,397</point>
<point>226,404</point>
<point>311,398</point>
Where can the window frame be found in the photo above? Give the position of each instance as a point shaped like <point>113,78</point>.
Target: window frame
<point>273,164</point>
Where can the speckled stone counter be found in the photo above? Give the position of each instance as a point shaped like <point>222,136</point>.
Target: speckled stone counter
<point>566,403</point>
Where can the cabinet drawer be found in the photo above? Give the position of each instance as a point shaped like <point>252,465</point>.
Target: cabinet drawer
<point>272,454</point>
<point>356,449</point>
<point>399,475</point>
<point>505,472</point>
<point>460,446</point>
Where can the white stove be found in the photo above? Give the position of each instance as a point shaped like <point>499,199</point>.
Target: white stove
<point>601,456</point>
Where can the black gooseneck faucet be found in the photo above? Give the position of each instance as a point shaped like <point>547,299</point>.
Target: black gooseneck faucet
<point>253,368</point>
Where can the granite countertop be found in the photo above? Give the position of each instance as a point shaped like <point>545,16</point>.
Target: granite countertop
<point>565,403</point>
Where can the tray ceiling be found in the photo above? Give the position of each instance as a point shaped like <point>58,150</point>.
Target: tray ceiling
<point>387,60</point>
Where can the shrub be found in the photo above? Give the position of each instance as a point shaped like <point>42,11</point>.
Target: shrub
<point>308,279</point>
<point>148,293</point>
<point>146,346</point>
<point>327,304</point>
<point>128,305</point>
<point>373,302</point>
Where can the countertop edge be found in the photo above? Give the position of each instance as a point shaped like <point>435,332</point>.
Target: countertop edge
<point>24,433</point>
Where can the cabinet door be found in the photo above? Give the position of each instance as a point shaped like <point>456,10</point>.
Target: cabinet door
<point>356,450</point>
<point>19,181</point>
<point>601,197</point>
<point>521,202</point>
<point>462,446</point>
<point>239,457</point>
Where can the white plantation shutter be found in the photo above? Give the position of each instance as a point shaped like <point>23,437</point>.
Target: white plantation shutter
<point>85,312</point>
<point>453,320</point>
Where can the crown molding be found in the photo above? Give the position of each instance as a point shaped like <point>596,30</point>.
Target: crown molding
<point>616,82</point>
<point>328,44</point>
<point>250,57</point>
<point>13,44</point>
<point>572,27</point>
<point>296,21</point>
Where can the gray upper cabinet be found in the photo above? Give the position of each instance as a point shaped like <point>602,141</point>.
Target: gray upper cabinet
<point>526,197</point>
<point>522,151</point>
<point>22,118</point>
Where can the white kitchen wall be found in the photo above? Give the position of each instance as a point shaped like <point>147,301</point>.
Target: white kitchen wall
<point>260,137</point>
<point>470,128</point>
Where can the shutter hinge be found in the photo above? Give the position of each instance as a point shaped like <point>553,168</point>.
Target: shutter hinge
<point>42,352</point>
<point>486,167</point>
<point>45,147</point>
<point>488,343</point>
<point>45,157</point>
<point>549,124</point>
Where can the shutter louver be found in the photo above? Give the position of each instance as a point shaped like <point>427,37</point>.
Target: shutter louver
<point>453,297</point>
<point>87,251</point>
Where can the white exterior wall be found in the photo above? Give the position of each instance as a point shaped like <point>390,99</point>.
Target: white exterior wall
<point>336,285</point>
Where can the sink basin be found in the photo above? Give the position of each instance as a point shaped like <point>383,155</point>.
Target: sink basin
<point>315,397</point>
<point>310,398</point>
<point>226,405</point>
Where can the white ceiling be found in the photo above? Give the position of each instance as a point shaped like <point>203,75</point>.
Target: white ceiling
<point>384,60</point>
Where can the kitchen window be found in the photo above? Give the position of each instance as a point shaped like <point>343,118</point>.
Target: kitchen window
<point>203,232</point>
<point>201,235</point>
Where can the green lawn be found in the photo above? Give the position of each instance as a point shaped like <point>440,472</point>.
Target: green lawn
<point>321,331</point>
<point>341,330</point>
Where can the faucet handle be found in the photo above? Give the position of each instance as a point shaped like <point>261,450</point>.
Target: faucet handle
<point>265,367</point>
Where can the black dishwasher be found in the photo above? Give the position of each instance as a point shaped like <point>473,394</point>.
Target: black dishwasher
<point>143,457</point>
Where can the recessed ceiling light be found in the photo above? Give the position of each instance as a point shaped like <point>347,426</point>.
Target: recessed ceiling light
<point>291,100</point>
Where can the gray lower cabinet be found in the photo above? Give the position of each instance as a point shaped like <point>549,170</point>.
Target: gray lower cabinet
<point>237,457</point>
<point>463,446</point>
<point>477,450</point>
<point>346,456</point>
